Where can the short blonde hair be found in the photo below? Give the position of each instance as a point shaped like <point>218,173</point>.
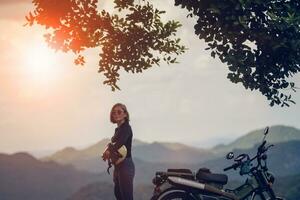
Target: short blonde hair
<point>124,110</point>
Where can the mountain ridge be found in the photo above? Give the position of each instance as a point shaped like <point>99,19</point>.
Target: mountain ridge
<point>23,174</point>
<point>277,134</point>
<point>89,158</point>
<point>25,177</point>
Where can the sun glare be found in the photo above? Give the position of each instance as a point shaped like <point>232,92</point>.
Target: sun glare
<point>41,63</point>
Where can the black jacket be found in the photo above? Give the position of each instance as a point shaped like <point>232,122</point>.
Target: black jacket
<point>123,136</point>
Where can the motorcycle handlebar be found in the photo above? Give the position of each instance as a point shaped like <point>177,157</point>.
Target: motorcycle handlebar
<point>234,166</point>
<point>260,151</point>
<point>261,147</point>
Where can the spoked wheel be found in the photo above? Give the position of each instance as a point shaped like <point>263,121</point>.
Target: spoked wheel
<point>176,195</point>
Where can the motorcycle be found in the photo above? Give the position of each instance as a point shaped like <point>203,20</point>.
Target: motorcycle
<point>204,185</point>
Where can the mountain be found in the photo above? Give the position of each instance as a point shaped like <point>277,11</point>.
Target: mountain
<point>276,134</point>
<point>69,154</point>
<point>89,158</point>
<point>25,177</point>
<point>283,160</point>
<point>288,187</point>
<point>104,191</point>
<point>94,191</point>
<point>39,154</point>
<point>171,153</point>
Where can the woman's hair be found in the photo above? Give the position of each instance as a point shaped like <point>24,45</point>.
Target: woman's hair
<point>124,110</point>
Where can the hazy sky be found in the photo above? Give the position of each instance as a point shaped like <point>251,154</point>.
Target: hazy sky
<point>47,102</point>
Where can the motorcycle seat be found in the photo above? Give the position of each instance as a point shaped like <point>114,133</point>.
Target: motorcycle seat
<point>204,175</point>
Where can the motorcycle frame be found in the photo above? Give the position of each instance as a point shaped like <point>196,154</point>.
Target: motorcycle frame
<point>257,185</point>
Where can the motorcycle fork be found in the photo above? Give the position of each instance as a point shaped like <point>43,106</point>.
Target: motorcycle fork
<point>264,186</point>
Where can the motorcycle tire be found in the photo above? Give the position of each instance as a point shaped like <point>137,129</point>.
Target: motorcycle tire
<point>175,195</point>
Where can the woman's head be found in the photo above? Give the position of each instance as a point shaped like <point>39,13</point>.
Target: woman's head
<point>119,113</point>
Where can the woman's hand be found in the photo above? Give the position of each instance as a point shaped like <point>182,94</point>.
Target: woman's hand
<point>105,155</point>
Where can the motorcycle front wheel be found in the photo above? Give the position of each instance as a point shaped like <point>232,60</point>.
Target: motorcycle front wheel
<point>176,195</point>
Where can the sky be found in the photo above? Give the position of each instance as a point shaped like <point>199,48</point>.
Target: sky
<point>48,103</point>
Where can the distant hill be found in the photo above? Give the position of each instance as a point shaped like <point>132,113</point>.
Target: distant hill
<point>104,191</point>
<point>69,154</point>
<point>24,177</point>
<point>94,191</point>
<point>171,153</point>
<point>283,160</point>
<point>89,158</point>
<point>276,134</point>
<point>288,187</point>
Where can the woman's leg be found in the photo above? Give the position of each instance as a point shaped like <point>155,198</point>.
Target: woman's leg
<point>117,185</point>
<point>126,179</point>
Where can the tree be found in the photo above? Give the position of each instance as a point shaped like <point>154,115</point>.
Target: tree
<point>259,40</point>
<point>133,40</point>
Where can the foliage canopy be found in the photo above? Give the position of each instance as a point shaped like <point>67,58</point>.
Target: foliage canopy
<point>135,39</point>
<point>259,40</point>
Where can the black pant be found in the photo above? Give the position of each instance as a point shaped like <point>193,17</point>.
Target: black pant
<point>123,179</point>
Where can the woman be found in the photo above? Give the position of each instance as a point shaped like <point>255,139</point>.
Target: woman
<point>124,171</point>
